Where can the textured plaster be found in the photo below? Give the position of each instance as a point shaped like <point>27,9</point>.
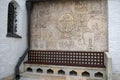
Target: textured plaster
<point>11,48</point>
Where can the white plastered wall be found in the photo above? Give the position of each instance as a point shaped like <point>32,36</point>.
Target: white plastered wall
<point>11,48</point>
<point>114,33</point>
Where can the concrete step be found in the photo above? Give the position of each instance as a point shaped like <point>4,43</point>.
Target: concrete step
<point>42,76</point>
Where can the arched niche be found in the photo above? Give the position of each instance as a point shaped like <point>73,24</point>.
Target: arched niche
<point>73,73</point>
<point>85,74</point>
<point>99,74</point>
<point>29,69</point>
<point>61,72</point>
<point>39,70</point>
<point>50,71</point>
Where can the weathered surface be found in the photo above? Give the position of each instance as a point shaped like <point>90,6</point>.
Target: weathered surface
<point>69,25</point>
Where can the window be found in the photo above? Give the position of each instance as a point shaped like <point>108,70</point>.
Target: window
<point>12,21</point>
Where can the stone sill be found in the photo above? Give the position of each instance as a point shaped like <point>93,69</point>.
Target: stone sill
<point>14,35</point>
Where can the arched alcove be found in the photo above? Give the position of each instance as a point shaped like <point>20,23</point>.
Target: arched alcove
<point>74,73</point>
<point>29,69</point>
<point>39,70</point>
<point>61,72</point>
<point>99,74</point>
<point>85,74</point>
<point>50,71</point>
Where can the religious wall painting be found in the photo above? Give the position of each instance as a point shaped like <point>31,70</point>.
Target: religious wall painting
<point>95,6</point>
<point>68,29</point>
<point>66,23</point>
<point>65,44</point>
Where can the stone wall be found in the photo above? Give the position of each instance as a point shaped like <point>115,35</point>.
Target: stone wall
<point>11,48</point>
<point>69,25</point>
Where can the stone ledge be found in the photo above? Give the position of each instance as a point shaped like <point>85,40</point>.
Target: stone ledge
<point>29,76</point>
<point>67,67</point>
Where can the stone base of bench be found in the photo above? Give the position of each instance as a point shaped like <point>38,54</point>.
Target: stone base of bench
<point>43,72</point>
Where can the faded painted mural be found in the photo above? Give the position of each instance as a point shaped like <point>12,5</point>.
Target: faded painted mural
<point>69,25</point>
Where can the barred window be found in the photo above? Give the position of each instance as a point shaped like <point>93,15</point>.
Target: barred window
<point>12,21</point>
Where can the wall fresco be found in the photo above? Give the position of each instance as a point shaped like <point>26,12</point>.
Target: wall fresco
<point>69,25</point>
